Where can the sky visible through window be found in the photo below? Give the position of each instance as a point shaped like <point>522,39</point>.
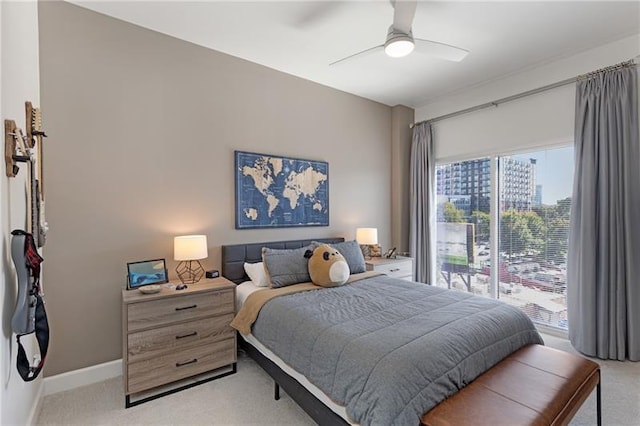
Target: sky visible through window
<point>554,171</point>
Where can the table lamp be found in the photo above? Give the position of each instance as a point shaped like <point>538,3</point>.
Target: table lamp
<point>366,237</point>
<point>189,249</point>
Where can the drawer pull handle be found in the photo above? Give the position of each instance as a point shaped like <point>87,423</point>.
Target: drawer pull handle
<point>186,307</point>
<point>181,364</point>
<point>394,270</point>
<point>195,333</point>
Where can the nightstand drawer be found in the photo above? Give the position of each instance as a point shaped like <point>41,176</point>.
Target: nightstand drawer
<point>157,371</point>
<point>173,338</point>
<point>396,269</point>
<point>155,313</point>
<point>401,267</point>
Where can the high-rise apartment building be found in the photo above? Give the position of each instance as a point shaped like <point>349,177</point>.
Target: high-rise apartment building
<point>537,197</point>
<point>517,183</point>
<point>467,184</point>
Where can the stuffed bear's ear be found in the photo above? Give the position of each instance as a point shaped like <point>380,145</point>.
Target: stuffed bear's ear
<point>308,254</point>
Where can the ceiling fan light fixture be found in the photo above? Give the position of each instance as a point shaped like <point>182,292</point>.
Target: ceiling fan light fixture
<point>398,44</point>
<point>400,41</point>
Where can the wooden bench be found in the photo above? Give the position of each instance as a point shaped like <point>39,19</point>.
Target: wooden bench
<point>536,385</point>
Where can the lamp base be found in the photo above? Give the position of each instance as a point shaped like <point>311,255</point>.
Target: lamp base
<point>365,251</point>
<point>371,250</point>
<point>190,271</point>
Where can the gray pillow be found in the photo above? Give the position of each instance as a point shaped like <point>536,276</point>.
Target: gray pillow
<point>286,266</point>
<point>351,252</point>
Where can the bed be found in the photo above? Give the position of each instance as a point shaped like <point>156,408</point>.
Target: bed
<point>377,350</point>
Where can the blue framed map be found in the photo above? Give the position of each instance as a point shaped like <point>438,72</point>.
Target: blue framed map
<point>277,192</point>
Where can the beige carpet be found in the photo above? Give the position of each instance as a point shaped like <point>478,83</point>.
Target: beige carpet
<point>620,391</point>
<point>247,398</point>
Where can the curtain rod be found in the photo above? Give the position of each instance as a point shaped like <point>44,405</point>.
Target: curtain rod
<point>527,93</point>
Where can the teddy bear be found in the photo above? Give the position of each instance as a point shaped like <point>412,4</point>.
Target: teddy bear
<point>327,267</point>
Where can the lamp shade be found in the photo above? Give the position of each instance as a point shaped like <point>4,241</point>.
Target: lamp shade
<point>367,236</point>
<point>190,247</point>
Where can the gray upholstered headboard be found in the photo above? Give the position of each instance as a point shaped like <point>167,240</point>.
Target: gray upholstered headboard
<point>234,256</point>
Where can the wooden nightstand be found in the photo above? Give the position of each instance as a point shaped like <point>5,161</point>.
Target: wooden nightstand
<point>175,334</point>
<point>400,267</point>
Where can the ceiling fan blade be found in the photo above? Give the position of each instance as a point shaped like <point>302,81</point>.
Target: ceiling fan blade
<point>404,11</point>
<point>440,50</point>
<point>317,13</point>
<point>360,54</point>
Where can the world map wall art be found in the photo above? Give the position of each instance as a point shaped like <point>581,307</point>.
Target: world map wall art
<point>277,192</point>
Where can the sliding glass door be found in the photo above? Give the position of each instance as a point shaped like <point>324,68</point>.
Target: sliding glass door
<point>530,195</point>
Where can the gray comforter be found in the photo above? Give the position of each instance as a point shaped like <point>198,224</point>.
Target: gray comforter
<point>390,350</point>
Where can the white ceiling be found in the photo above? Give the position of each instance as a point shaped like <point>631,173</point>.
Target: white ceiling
<point>303,37</point>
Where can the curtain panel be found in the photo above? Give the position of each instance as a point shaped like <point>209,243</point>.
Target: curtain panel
<point>422,204</point>
<point>603,265</point>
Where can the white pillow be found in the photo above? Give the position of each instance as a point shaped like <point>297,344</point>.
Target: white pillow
<point>256,273</point>
<point>243,291</point>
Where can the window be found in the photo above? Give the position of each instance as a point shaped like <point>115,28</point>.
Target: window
<point>532,199</point>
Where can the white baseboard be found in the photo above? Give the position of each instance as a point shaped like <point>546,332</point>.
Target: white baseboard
<point>82,377</point>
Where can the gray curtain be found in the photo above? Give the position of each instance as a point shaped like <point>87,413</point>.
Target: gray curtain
<point>422,204</point>
<point>603,270</point>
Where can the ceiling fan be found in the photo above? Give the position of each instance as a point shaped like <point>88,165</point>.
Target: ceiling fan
<point>400,41</point>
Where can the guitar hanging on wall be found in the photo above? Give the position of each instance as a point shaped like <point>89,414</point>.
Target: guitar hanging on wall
<point>35,135</point>
<point>29,149</point>
<point>30,316</point>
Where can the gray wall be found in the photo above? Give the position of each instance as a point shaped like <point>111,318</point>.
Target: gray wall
<point>142,129</point>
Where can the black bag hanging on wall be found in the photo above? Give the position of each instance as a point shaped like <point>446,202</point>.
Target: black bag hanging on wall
<point>30,315</point>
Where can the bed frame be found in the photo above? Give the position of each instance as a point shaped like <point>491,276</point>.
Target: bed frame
<point>233,259</point>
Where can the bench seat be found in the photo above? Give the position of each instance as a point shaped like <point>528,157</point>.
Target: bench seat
<point>536,385</point>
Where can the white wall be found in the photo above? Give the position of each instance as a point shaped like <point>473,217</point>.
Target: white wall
<point>19,82</point>
<point>540,120</point>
